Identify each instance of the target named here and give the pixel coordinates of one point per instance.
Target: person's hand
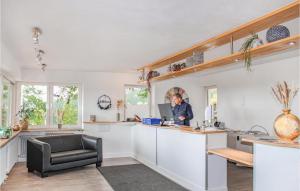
(181, 118)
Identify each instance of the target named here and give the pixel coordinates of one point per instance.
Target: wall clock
(104, 102)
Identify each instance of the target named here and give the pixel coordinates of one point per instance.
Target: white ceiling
(118, 35)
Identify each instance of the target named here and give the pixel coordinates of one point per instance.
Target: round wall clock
(104, 102)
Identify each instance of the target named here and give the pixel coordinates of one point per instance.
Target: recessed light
(237, 60)
(292, 43)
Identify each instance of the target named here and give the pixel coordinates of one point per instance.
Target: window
(53, 104)
(65, 105)
(136, 95)
(136, 101)
(212, 99)
(35, 96)
(6, 108)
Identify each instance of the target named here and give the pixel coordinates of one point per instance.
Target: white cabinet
(116, 138)
(144, 144)
(8, 158)
(3, 163)
(12, 154)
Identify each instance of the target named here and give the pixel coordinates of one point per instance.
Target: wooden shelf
(234, 155)
(265, 49)
(278, 16)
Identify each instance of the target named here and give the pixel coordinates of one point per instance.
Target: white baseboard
(117, 155)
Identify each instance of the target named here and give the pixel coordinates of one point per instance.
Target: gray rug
(137, 177)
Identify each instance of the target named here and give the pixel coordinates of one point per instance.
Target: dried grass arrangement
(284, 94)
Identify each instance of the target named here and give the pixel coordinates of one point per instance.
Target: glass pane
(136, 96)
(6, 104)
(34, 97)
(212, 96)
(65, 105)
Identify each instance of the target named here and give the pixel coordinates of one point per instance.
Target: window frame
(11, 99)
(138, 86)
(215, 112)
(49, 105)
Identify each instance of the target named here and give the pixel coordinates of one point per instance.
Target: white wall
(94, 84)
(244, 98)
(195, 92)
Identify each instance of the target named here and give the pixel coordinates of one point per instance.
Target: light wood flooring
(89, 179)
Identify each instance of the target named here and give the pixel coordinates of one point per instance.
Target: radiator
(23, 141)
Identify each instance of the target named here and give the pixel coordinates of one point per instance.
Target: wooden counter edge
(234, 155)
(276, 143)
(4, 142)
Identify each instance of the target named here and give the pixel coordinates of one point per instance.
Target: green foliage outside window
(35, 96)
(65, 104)
(136, 95)
(5, 106)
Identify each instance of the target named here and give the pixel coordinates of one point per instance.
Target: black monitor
(166, 112)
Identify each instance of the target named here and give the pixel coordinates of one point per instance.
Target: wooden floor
(89, 179)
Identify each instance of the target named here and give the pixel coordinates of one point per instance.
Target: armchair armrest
(38, 155)
(93, 143)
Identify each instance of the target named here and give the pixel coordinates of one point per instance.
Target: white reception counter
(179, 154)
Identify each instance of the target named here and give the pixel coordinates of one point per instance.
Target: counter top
(110, 122)
(187, 129)
(3, 142)
(277, 143)
(51, 129)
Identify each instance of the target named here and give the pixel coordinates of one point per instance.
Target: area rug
(137, 177)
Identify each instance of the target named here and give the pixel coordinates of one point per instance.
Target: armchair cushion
(70, 156)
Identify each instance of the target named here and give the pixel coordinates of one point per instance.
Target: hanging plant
(250, 43)
(151, 74)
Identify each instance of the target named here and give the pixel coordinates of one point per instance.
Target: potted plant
(26, 111)
(62, 100)
(120, 104)
(286, 125)
(251, 42)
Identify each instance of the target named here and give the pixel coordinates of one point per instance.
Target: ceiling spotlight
(44, 67)
(237, 60)
(292, 43)
(36, 32)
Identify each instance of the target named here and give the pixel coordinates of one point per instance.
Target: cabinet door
(12, 156)
(3, 163)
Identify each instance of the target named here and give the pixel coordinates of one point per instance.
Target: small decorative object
(24, 114)
(16, 127)
(104, 102)
(120, 104)
(178, 67)
(171, 92)
(5, 132)
(60, 118)
(189, 61)
(277, 32)
(251, 42)
(286, 125)
(198, 57)
(151, 74)
(92, 118)
(142, 75)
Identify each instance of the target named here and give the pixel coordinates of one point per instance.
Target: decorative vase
(118, 116)
(59, 126)
(287, 126)
(277, 32)
(24, 124)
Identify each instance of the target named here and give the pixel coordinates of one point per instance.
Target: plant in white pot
(25, 112)
(63, 97)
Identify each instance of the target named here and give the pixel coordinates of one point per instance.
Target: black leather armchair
(52, 153)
